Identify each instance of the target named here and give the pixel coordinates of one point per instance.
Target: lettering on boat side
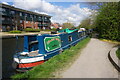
(52, 43)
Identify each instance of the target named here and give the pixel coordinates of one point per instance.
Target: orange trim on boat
(27, 65)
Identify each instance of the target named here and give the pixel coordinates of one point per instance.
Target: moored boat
(40, 48)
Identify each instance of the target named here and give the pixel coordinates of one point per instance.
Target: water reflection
(9, 48)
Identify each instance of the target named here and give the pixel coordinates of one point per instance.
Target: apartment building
(18, 19)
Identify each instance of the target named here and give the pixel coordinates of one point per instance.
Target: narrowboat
(40, 48)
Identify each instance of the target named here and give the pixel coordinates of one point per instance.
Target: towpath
(92, 62)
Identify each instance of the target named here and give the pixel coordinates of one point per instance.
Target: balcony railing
(7, 22)
(39, 19)
(46, 20)
(35, 19)
(39, 25)
(5, 13)
(45, 24)
(22, 17)
(28, 19)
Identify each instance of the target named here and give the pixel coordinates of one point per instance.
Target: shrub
(15, 31)
(108, 21)
(31, 30)
(50, 29)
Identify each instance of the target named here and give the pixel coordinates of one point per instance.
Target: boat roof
(67, 30)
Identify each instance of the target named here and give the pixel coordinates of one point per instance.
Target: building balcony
(39, 25)
(5, 13)
(46, 20)
(22, 17)
(28, 19)
(35, 19)
(7, 22)
(39, 19)
(45, 25)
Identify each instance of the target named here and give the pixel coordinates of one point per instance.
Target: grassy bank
(54, 64)
(118, 53)
(111, 41)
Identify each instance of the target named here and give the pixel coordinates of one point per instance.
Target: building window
(26, 15)
(8, 18)
(3, 18)
(12, 19)
(45, 17)
(31, 16)
(39, 17)
(3, 28)
(69, 38)
(20, 14)
(0, 9)
(34, 16)
(12, 12)
(3, 9)
(21, 21)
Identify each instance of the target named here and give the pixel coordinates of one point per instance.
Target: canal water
(9, 48)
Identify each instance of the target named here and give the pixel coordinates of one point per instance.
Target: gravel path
(93, 62)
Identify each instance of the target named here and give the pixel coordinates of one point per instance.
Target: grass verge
(118, 53)
(31, 30)
(47, 69)
(111, 41)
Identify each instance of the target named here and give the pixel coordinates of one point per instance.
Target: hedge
(15, 31)
(31, 30)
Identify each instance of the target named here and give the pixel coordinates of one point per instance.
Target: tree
(89, 22)
(108, 21)
(86, 23)
(67, 25)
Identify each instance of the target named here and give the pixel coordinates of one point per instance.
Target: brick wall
(30, 24)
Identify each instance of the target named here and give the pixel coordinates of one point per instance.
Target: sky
(61, 12)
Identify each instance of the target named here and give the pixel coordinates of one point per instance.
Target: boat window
(70, 38)
(83, 33)
(79, 35)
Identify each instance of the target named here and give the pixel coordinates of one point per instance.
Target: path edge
(117, 67)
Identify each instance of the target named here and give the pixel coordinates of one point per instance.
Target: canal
(9, 48)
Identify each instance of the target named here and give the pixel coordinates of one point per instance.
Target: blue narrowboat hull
(40, 48)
